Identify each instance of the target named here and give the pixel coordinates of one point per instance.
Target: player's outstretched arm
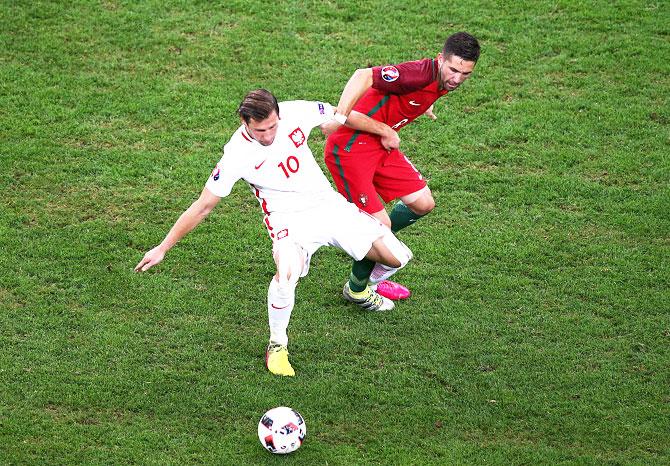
(186, 222)
(358, 83)
(361, 122)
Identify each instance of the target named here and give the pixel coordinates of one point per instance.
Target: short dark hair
(258, 104)
(462, 45)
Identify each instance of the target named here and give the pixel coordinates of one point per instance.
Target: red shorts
(363, 175)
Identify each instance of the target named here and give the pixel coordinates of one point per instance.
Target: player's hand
(429, 113)
(390, 139)
(329, 127)
(151, 258)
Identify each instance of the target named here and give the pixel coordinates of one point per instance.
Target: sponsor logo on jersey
(390, 73)
(298, 137)
(363, 199)
(216, 173)
(322, 109)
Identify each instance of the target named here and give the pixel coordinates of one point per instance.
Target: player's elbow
(205, 203)
(201, 209)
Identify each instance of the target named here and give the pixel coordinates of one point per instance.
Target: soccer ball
(282, 430)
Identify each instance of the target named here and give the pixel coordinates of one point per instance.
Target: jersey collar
(246, 135)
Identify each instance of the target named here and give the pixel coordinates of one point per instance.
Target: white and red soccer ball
(282, 430)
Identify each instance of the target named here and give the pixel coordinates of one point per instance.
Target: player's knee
(383, 217)
(289, 259)
(400, 253)
(283, 288)
(385, 221)
(423, 205)
(286, 282)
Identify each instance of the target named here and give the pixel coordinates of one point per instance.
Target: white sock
(380, 273)
(280, 305)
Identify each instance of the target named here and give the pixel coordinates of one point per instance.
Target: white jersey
(283, 176)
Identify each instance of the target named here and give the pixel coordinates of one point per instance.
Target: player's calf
(383, 271)
(392, 253)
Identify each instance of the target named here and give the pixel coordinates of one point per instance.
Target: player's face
(263, 131)
(453, 71)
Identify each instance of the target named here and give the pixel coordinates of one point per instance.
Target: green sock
(360, 273)
(401, 216)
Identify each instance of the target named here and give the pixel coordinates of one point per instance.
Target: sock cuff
(357, 284)
(402, 216)
(402, 208)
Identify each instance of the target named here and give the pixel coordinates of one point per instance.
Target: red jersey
(399, 94)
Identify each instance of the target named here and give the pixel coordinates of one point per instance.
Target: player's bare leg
(419, 203)
(374, 272)
(383, 217)
(357, 290)
(390, 252)
(405, 212)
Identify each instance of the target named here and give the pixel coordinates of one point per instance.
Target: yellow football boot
(367, 299)
(276, 360)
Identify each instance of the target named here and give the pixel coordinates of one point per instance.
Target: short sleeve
(224, 175)
(309, 113)
(405, 77)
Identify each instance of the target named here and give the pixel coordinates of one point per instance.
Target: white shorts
(335, 223)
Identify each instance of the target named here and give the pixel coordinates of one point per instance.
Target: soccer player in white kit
(301, 210)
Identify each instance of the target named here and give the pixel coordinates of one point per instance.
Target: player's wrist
(340, 118)
(164, 247)
(387, 130)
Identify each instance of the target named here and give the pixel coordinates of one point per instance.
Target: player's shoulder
(421, 64)
(300, 107)
(404, 77)
(239, 141)
(419, 70)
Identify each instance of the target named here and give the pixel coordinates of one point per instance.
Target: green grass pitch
(539, 328)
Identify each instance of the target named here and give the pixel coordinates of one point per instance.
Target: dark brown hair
(258, 104)
(462, 45)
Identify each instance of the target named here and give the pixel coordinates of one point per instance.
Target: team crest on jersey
(298, 137)
(216, 173)
(390, 73)
(363, 199)
(322, 108)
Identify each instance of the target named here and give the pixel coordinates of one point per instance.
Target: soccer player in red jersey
(363, 157)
